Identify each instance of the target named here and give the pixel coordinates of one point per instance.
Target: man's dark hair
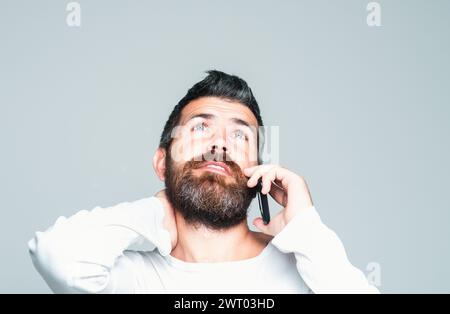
(215, 84)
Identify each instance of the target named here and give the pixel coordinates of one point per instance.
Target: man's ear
(159, 163)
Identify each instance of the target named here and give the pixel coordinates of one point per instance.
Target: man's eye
(199, 127)
(240, 135)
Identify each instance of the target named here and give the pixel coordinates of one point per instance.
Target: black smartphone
(263, 203)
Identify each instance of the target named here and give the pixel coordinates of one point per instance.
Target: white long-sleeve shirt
(89, 253)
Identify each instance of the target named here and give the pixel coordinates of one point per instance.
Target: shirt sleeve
(320, 255)
(86, 253)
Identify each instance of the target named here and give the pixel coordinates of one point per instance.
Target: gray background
(363, 114)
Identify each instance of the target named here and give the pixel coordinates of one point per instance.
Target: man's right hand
(169, 221)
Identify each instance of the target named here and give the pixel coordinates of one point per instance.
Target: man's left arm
(321, 258)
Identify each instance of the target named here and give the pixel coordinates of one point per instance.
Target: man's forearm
(321, 258)
(78, 253)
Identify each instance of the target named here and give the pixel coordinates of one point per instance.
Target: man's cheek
(176, 151)
(252, 154)
(182, 151)
(243, 159)
(184, 145)
(237, 154)
(196, 149)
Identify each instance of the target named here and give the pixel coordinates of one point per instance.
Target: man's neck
(202, 245)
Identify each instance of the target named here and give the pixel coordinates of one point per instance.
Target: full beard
(208, 199)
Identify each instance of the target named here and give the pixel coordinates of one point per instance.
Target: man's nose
(215, 149)
(218, 148)
(218, 145)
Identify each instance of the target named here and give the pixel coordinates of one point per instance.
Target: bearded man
(195, 229)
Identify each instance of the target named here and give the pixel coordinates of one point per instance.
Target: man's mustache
(198, 161)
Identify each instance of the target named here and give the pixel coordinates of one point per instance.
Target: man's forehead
(218, 107)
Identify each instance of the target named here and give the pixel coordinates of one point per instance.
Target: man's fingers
(259, 223)
(267, 179)
(278, 194)
(257, 174)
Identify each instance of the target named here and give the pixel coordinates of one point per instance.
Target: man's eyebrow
(207, 116)
(210, 116)
(241, 122)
